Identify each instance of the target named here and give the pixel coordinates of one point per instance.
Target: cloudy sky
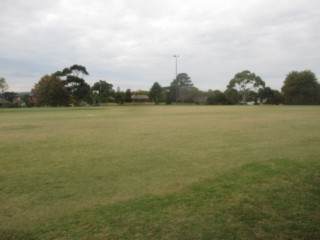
(131, 43)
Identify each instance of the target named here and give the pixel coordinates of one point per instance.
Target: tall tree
(301, 88)
(50, 91)
(3, 86)
(155, 93)
(127, 95)
(119, 96)
(245, 82)
(105, 90)
(75, 84)
(181, 80)
(75, 70)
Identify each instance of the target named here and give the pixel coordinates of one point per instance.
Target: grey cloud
(131, 43)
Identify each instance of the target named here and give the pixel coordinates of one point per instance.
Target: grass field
(160, 172)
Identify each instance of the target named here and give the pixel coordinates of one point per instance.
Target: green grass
(160, 172)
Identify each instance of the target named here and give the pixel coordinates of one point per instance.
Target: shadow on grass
(278, 199)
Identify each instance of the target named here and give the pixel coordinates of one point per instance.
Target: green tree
(301, 88)
(141, 92)
(216, 98)
(75, 70)
(80, 93)
(155, 93)
(119, 96)
(245, 82)
(181, 80)
(164, 94)
(26, 100)
(3, 86)
(270, 96)
(189, 94)
(50, 91)
(232, 96)
(9, 96)
(105, 91)
(74, 83)
(127, 95)
(252, 97)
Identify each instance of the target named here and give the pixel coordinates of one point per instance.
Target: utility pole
(176, 57)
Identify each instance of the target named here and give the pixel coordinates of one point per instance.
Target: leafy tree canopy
(9, 96)
(270, 96)
(119, 96)
(232, 96)
(189, 94)
(301, 88)
(127, 95)
(141, 92)
(104, 89)
(3, 85)
(216, 98)
(244, 82)
(182, 79)
(155, 92)
(50, 91)
(75, 70)
(76, 86)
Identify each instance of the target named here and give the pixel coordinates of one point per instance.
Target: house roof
(3, 101)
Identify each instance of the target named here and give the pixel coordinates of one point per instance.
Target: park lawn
(160, 172)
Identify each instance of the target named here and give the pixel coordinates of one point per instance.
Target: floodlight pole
(100, 93)
(176, 57)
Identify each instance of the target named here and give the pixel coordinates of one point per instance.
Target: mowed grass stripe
(56, 163)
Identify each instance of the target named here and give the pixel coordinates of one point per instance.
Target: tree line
(68, 87)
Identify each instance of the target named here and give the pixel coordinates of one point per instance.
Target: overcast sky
(131, 43)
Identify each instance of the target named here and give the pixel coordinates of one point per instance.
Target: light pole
(100, 93)
(176, 57)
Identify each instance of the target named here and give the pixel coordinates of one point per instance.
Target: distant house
(140, 98)
(25, 99)
(4, 103)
